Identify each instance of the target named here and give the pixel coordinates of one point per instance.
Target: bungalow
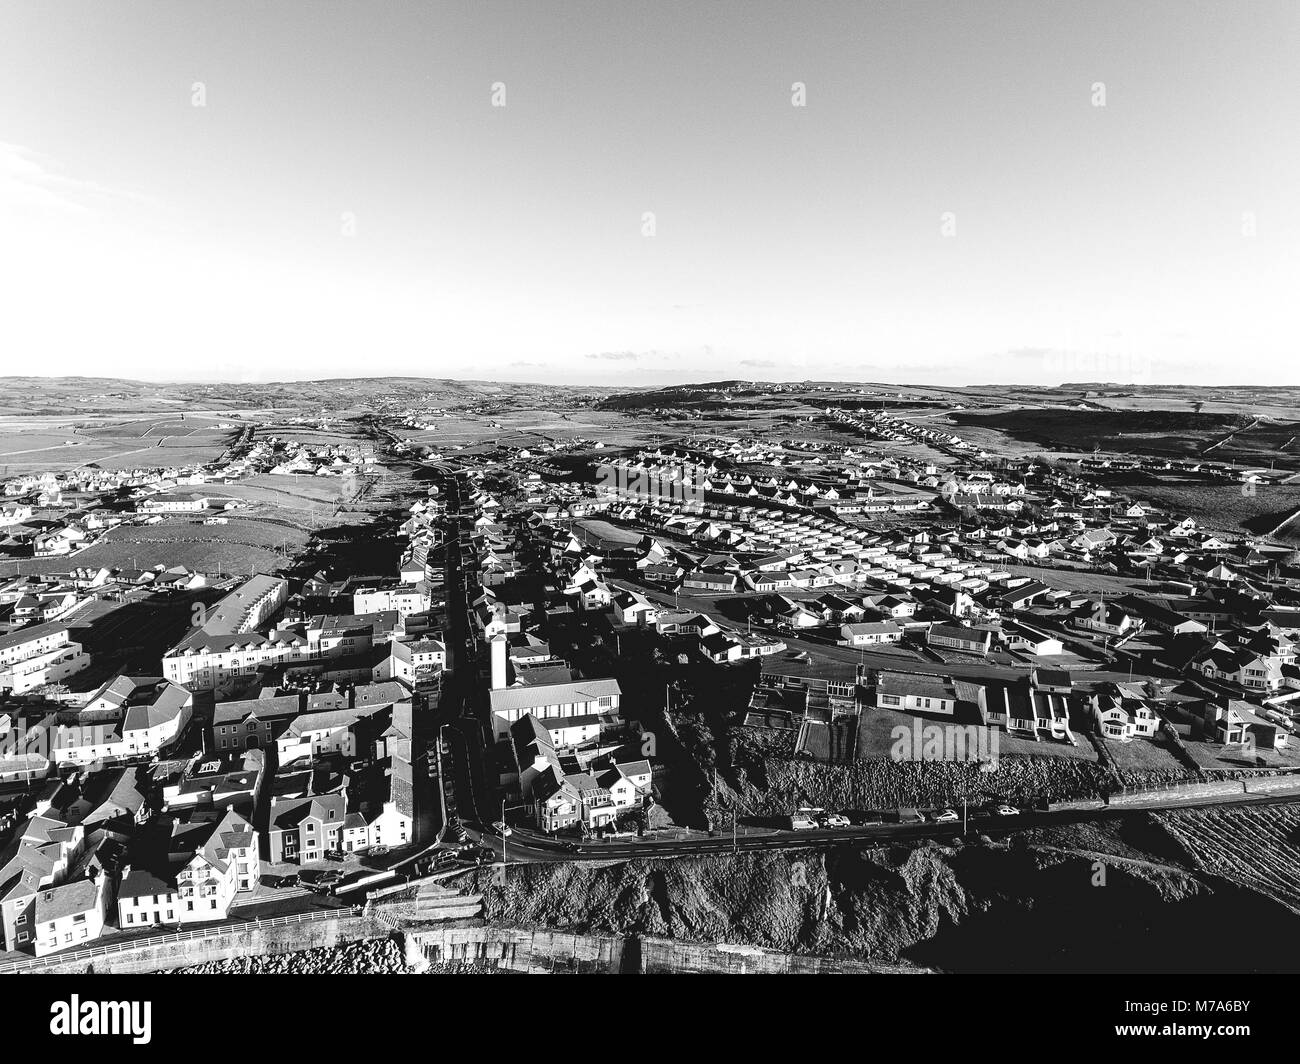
(965, 640)
(770, 580)
(719, 647)
(1019, 598)
(1022, 637)
(916, 693)
(712, 582)
(866, 633)
(174, 504)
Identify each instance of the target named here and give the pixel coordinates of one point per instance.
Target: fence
(56, 959)
(1263, 783)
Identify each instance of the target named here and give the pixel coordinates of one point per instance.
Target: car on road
(945, 816)
(335, 855)
(275, 882)
(320, 881)
(1002, 809)
(503, 829)
(834, 820)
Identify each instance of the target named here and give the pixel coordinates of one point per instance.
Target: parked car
(945, 816)
(278, 882)
(835, 820)
(1002, 809)
(320, 881)
(378, 851)
(335, 855)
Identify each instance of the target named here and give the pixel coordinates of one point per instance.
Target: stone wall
(249, 939)
(559, 951)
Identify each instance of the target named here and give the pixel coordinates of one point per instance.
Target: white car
(1006, 810)
(835, 820)
(502, 829)
(946, 816)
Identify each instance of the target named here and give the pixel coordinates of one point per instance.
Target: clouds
(30, 180)
(786, 247)
(618, 356)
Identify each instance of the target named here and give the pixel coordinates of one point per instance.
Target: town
(457, 645)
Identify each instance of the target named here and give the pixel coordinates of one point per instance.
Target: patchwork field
(54, 444)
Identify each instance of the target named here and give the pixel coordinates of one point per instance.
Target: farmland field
(1259, 846)
(1255, 508)
(1162, 432)
(237, 547)
(53, 444)
(284, 495)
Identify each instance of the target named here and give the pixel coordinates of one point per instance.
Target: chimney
(498, 662)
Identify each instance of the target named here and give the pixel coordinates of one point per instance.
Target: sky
(618, 192)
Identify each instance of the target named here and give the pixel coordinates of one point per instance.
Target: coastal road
(529, 847)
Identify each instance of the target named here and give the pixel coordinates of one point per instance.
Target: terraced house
(193, 872)
(42, 854)
(149, 719)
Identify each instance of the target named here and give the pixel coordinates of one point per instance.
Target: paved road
(531, 848)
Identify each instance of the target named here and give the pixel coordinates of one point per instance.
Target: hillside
(1086, 899)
